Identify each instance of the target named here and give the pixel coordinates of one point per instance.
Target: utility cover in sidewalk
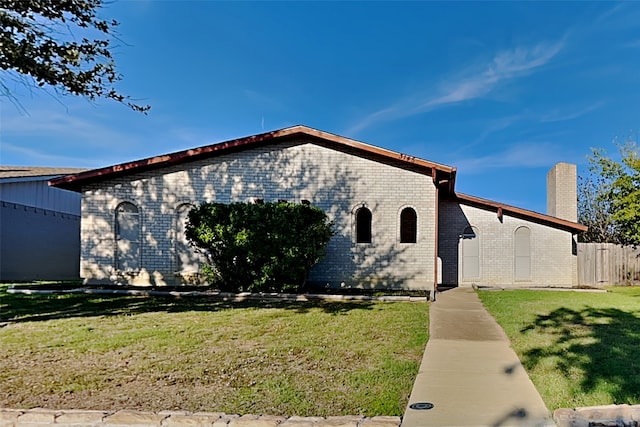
(421, 406)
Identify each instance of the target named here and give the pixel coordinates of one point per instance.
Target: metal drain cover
(421, 406)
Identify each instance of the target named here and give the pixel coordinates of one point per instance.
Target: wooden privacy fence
(608, 264)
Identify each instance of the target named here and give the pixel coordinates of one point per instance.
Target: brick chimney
(562, 192)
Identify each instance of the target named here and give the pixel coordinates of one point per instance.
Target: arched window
(408, 225)
(522, 254)
(127, 235)
(186, 257)
(363, 225)
(470, 241)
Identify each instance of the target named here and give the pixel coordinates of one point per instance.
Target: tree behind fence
(608, 264)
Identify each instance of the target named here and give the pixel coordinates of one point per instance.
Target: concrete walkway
(469, 373)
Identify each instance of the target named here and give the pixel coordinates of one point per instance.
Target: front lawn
(96, 352)
(580, 349)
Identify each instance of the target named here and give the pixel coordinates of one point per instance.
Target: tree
(609, 197)
(38, 47)
(264, 247)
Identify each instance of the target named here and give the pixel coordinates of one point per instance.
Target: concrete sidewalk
(469, 373)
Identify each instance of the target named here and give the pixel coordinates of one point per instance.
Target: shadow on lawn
(27, 308)
(602, 343)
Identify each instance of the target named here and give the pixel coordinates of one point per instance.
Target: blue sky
(500, 90)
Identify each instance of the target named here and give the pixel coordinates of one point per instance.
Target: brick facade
(478, 241)
(335, 181)
(553, 257)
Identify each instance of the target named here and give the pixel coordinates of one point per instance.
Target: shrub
(267, 247)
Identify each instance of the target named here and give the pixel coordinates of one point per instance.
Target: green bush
(268, 247)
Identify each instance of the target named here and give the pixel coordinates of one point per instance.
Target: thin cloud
(500, 124)
(493, 127)
(38, 158)
(522, 155)
(558, 116)
(45, 133)
(634, 44)
(471, 84)
(263, 100)
(609, 13)
(64, 126)
(505, 65)
(623, 15)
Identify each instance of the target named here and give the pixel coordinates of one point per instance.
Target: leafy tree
(609, 197)
(38, 47)
(268, 247)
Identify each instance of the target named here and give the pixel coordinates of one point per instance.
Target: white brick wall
(337, 182)
(553, 260)
(562, 192)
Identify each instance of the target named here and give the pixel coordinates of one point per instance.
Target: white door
(470, 254)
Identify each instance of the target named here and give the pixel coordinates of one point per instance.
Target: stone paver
(381, 421)
(346, 421)
(256, 421)
(134, 418)
(225, 420)
(80, 418)
(8, 417)
(211, 414)
(189, 420)
(599, 416)
(38, 416)
(296, 421)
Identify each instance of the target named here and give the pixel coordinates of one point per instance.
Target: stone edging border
(599, 416)
(223, 296)
(40, 417)
(541, 288)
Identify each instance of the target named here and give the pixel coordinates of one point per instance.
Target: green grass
(96, 352)
(580, 349)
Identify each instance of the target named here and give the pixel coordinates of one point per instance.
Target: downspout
(437, 237)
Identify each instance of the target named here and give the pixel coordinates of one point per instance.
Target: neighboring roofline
(13, 173)
(502, 208)
(440, 172)
(15, 179)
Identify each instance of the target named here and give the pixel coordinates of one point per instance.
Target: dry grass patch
(89, 352)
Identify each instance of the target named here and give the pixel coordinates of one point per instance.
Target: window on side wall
(363, 225)
(127, 234)
(408, 225)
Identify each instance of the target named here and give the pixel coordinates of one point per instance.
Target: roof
(35, 171)
(514, 211)
(441, 174)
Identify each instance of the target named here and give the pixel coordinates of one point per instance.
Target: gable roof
(501, 208)
(442, 174)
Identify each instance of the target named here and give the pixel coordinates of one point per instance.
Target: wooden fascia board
(504, 209)
(76, 181)
(372, 149)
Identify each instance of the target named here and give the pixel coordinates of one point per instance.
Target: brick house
(399, 221)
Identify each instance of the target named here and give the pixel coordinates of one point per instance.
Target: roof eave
(77, 181)
(555, 222)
